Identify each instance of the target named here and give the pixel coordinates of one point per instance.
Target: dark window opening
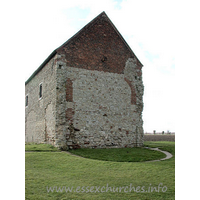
(104, 59)
(26, 103)
(40, 93)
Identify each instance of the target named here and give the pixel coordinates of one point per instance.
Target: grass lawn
(96, 179)
(40, 147)
(120, 155)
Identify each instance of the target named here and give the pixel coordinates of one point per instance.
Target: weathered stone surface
(101, 108)
(40, 112)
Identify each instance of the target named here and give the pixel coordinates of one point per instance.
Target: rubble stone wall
(98, 109)
(40, 114)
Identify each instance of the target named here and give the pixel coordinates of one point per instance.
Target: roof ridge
(91, 23)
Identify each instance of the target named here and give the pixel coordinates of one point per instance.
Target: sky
(160, 33)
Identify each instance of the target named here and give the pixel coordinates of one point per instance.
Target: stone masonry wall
(40, 113)
(99, 109)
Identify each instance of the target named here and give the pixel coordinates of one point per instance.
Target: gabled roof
(100, 16)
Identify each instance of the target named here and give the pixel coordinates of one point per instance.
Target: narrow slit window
(26, 101)
(40, 92)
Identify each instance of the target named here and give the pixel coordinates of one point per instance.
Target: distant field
(159, 138)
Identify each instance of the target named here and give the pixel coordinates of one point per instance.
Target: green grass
(40, 147)
(120, 155)
(48, 169)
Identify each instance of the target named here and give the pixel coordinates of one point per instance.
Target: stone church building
(88, 93)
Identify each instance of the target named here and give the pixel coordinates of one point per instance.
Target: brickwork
(133, 93)
(98, 47)
(69, 115)
(69, 91)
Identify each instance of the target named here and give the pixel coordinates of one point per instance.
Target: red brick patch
(69, 115)
(69, 90)
(133, 92)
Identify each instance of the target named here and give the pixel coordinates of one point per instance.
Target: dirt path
(168, 155)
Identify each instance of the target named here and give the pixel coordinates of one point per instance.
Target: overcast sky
(160, 33)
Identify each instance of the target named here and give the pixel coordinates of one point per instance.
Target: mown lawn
(40, 147)
(120, 155)
(96, 179)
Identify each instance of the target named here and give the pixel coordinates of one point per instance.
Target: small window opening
(104, 59)
(26, 102)
(40, 92)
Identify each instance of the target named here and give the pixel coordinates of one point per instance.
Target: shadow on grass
(120, 155)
